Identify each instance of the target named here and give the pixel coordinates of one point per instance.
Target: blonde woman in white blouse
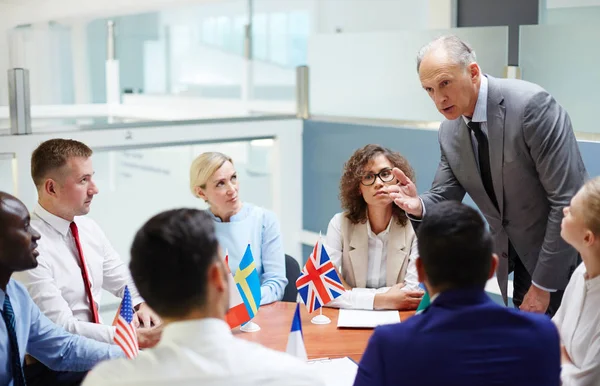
(578, 318)
(372, 243)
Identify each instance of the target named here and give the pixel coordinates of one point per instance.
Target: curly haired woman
(372, 243)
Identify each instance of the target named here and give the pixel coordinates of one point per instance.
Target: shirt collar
(3, 296)
(591, 284)
(60, 224)
(194, 332)
(384, 233)
(480, 113)
(239, 216)
(461, 297)
(9, 288)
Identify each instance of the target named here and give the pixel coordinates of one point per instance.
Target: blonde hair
(591, 215)
(203, 167)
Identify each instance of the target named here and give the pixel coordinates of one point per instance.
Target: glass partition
(373, 75)
(570, 77)
(7, 170)
(142, 169)
(147, 181)
(45, 49)
(142, 182)
(192, 51)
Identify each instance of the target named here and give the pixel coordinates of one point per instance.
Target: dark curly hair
(351, 199)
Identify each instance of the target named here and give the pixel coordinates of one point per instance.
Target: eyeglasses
(385, 175)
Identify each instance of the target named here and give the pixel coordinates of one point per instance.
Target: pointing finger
(401, 177)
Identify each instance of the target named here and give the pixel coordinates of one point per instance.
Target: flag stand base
(320, 319)
(250, 327)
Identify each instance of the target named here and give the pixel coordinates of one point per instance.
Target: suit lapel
(495, 126)
(359, 254)
(396, 252)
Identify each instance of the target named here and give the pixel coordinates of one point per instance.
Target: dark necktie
(17, 368)
(483, 150)
(85, 275)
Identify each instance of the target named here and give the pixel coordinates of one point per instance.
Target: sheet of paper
(366, 319)
(335, 372)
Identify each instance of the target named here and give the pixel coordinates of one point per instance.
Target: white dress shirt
(56, 284)
(204, 352)
(363, 298)
(578, 321)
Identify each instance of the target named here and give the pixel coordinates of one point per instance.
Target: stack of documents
(335, 372)
(366, 319)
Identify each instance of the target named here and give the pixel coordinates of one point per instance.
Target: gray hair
(459, 51)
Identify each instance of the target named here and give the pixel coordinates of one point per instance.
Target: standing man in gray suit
(511, 147)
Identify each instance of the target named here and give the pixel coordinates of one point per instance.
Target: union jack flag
(319, 282)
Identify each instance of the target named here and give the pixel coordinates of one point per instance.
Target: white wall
(571, 3)
(38, 48)
(208, 66)
(43, 10)
(441, 14)
(325, 17)
(574, 12)
(370, 15)
(374, 75)
(350, 15)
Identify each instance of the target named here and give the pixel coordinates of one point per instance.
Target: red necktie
(84, 274)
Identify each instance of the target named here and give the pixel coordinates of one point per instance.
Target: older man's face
(452, 87)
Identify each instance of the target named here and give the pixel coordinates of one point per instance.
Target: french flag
(295, 344)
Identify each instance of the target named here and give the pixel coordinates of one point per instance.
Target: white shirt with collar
(363, 298)
(578, 322)
(56, 284)
(204, 352)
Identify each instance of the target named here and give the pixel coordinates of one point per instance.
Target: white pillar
(248, 69)
(113, 84)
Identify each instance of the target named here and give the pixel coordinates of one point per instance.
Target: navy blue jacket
(464, 339)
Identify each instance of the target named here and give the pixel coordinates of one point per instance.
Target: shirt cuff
(412, 218)
(364, 300)
(136, 300)
(542, 288)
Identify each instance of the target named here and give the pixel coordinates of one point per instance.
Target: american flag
(319, 282)
(125, 336)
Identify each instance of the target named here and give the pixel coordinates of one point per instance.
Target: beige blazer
(355, 252)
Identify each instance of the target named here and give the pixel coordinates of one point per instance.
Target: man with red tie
(76, 260)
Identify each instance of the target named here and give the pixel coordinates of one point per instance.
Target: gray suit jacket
(536, 169)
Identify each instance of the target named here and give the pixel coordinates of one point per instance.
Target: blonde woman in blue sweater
(213, 178)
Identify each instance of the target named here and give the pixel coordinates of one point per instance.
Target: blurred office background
(288, 88)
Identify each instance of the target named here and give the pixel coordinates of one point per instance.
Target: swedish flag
(248, 283)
